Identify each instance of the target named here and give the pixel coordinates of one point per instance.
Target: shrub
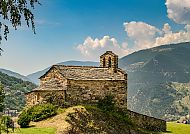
(24, 119)
(42, 111)
(107, 103)
(36, 113)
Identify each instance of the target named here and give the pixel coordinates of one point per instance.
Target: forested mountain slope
(14, 89)
(154, 76)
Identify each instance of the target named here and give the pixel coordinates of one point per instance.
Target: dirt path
(57, 121)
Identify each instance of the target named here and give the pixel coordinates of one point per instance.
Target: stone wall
(147, 122)
(36, 97)
(86, 91)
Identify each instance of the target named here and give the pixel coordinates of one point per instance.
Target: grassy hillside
(14, 91)
(175, 128)
(90, 120)
(35, 130)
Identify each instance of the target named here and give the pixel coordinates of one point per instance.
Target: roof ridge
(76, 66)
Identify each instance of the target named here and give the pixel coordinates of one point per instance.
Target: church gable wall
(53, 79)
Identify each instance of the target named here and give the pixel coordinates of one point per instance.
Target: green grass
(34, 130)
(177, 128)
(61, 110)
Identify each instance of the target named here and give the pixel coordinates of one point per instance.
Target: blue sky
(63, 25)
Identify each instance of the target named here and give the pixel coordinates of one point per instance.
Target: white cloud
(166, 29)
(168, 38)
(179, 11)
(187, 27)
(93, 48)
(140, 30)
(147, 36)
(140, 35)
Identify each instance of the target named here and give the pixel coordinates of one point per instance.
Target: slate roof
(88, 73)
(110, 53)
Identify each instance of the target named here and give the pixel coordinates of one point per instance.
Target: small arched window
(38, 97)
(109, 62)
(104, 62)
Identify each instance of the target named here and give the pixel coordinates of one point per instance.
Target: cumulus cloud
(140, 35)
(170, 37)
(147, 36)
(179, 11)
(92, 48)
(140, 29)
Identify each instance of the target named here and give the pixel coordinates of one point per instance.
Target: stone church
(87, 84)
(83, 84)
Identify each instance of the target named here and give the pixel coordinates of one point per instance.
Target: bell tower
(109, 60)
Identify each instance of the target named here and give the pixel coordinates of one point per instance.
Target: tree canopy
(14, 13)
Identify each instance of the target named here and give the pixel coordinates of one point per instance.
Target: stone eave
(97, 79)
(44, 90)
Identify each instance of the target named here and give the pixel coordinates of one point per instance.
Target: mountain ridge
(14, 74)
